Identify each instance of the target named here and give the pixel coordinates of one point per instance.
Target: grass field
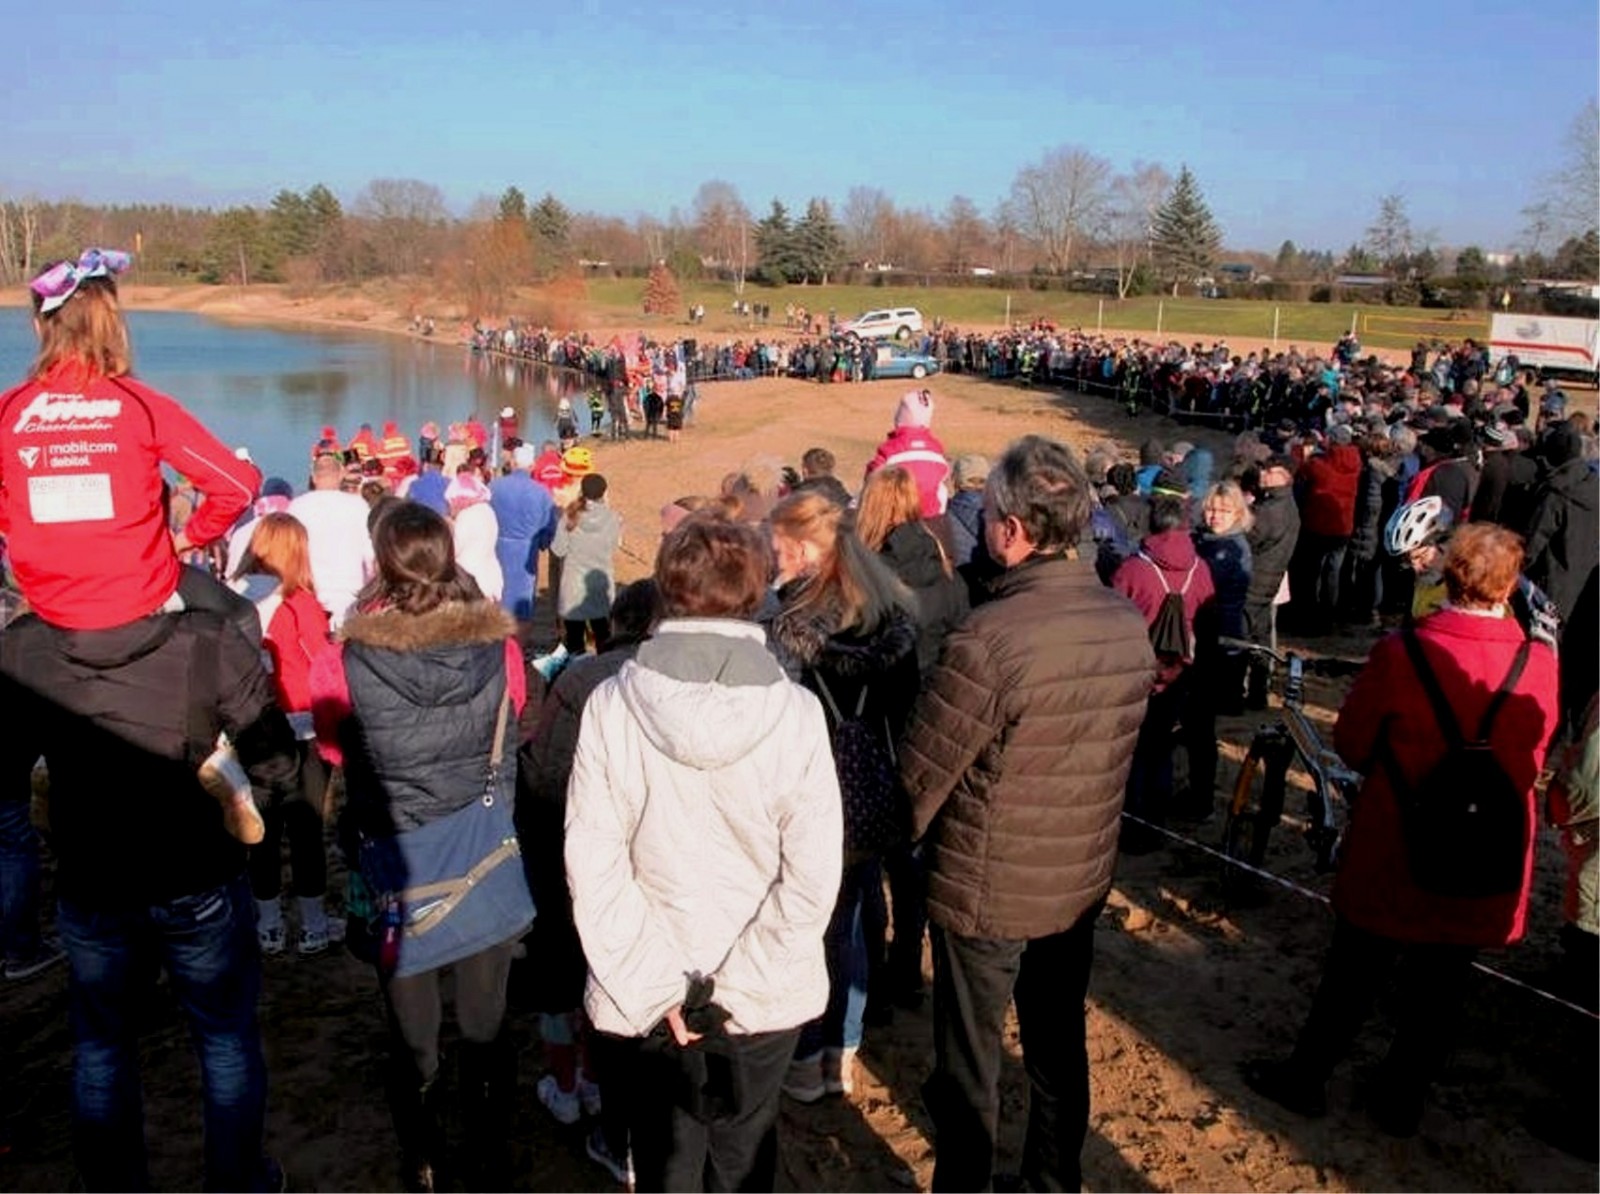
(1305, 324)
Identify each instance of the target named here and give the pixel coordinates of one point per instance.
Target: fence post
(1100, 318)
(1276, 311)
(1354, 316)
(1161, 309)
(1008, 312)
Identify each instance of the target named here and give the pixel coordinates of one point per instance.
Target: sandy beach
(1186, 985)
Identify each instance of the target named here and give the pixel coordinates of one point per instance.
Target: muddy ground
(1185, 984)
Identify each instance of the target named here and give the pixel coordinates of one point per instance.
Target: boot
(488, 1099)
(415, 1106)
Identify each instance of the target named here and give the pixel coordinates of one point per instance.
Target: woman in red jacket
(294, 631)
(1389, 729)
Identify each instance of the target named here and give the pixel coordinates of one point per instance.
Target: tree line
(1067, 215)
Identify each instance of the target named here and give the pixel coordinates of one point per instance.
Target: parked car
(894, 360)
(898, 322)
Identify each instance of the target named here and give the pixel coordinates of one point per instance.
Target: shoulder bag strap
(1188, 577)
(1507, 686)
(1442, 712)
(491, 781)
(827, 697)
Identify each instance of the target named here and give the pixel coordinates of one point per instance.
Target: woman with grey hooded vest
(587, 538)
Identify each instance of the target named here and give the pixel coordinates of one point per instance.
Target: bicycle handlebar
(1324, 666)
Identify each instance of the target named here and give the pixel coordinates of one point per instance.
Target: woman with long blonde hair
(844, 628)
(294, 631)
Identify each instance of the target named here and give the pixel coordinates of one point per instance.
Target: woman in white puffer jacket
(703, 850)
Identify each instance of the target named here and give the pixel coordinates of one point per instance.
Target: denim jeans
(849, 970)
(19, 880)
(207, 944)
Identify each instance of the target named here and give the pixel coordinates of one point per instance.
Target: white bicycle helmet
(1415, 525)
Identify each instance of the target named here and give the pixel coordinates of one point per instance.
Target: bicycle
(1257, 802)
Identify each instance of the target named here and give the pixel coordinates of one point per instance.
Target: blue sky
(1295, 117)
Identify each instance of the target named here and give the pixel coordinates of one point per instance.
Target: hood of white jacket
(706, 691)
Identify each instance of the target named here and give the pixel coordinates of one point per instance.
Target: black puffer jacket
(1272, 540)
(1018, 751)
(424, 691)
(1564, 533)
(916, 557)
(129, 714)
(1366, 539)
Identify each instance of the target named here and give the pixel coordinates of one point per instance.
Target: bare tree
(1007, 231)
(1390, 238)
(722, 225)
(19, 236)
(868, 219)
(965, 233)
(408, 216)
(1129, 217)
(1569, 198)
(1059, 197)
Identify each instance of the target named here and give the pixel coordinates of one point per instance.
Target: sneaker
(1286, 1086)
(47, 955)
(562, 1104)
(274, 939)
(839, 1071)
(312, 941)
(588, 1095)
(600, 1153)
(803, 1083)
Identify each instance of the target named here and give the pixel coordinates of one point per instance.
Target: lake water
(273, 389)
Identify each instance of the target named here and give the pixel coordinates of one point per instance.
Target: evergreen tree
(818, 242)
(328, 235)
(661, 294)
(1288, 264)
(777, 255)
(238, 249)
(551, 225)
(291, 225)
(513, 205)
(1184, 238)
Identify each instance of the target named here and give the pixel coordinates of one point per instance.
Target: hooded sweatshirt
(704, 833)
(82, 499)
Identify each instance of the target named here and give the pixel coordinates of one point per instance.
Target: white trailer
(1549, 343)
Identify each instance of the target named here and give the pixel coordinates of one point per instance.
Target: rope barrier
(1317, 896)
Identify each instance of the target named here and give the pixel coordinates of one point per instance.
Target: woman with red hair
(1467, 672)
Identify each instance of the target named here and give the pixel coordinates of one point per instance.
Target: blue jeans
(845, 944)
(207, 943)
(19, 881)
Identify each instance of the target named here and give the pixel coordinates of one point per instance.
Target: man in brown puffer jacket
(1015, 762)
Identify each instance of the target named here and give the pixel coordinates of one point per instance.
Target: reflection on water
(273, 389)
(328, 384)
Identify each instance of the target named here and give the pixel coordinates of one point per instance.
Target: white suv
(898, 322)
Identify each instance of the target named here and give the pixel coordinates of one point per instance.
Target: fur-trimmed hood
(455, 623)
(444, 657)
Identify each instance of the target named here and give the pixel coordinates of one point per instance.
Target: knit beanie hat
(915, 409)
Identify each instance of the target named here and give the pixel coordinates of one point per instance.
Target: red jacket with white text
(81, 494)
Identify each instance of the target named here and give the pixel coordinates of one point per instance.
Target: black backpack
(1464, 822)
(1171, 634)
(863, 756)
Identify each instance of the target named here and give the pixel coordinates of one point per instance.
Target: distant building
(1359, 280)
